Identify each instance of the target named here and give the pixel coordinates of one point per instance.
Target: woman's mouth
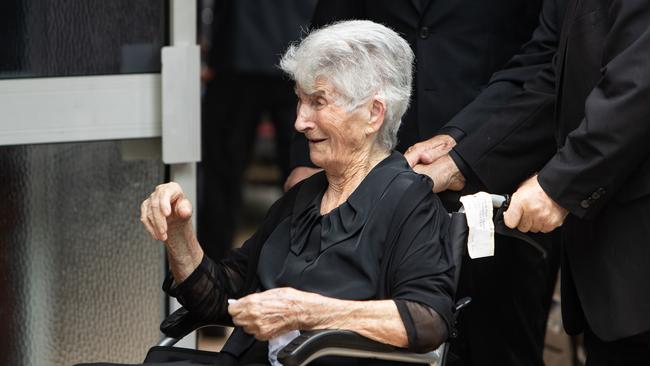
(315, 141)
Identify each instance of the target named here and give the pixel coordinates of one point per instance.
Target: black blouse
(346, 253)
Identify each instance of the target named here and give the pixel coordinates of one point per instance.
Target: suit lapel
(569, 15)
(421, 5)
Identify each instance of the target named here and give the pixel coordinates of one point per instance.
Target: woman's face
(336, 137)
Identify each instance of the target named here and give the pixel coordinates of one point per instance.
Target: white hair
(361, 59)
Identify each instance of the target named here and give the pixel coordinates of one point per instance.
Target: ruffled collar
(350, 217)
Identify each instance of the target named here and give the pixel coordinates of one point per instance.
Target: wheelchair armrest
(314, 344)
(181, 323)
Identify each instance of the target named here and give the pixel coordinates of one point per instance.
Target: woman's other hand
(166, 209)
(270, 313)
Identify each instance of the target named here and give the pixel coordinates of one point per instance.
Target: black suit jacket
(601, 171)
(512, 134)
(458, 44)
(249, 36)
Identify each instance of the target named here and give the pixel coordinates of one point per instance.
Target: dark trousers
(233, 106)
(630, 351)
(511, 296)
(171, 356)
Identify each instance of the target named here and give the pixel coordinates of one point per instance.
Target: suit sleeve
(326, 12)
(513, 115)
(612, 140)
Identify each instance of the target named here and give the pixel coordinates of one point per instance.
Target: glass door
(97, 98)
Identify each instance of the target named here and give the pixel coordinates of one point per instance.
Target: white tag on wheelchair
(478, 210)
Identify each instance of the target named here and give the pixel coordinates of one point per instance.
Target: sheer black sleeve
(206, 291)
(425, 329)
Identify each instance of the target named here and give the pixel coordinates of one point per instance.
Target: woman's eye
(320, 102)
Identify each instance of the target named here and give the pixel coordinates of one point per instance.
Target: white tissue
(277, 343)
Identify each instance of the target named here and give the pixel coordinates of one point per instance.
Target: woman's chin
(319, 163)
(318, 158)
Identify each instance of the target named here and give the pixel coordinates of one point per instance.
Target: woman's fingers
(242, 317)
(256, 328)
(159, 219)
(173, 204)
(166, 205)
(169, 194)
(154, 221)
(183, 209)
(145, 219)
(246, 313)
(266, 314)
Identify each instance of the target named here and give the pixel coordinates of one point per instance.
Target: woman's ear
(377, 112)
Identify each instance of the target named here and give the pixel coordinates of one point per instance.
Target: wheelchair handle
(500, 201)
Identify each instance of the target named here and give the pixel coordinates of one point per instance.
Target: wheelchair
(311, 345)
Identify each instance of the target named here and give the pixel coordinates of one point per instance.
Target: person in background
(244, 85)
(596, 184)
(504, 146)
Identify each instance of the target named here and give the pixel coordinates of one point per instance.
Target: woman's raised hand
(166, 209)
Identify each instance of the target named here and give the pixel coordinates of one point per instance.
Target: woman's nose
(303, 118)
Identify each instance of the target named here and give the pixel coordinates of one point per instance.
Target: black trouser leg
(630, 351)
(283, 116)
(230, 115)
(511, 295)
(232, 109)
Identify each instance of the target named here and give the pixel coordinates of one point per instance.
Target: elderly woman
(359, 246)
